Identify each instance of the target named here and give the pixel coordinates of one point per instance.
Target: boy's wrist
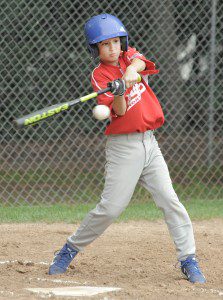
(132, 67)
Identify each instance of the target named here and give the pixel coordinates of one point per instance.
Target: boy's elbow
(120, 112)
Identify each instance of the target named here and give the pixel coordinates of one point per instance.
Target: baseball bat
(47, 112)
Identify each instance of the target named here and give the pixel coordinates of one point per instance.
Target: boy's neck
(116, 63)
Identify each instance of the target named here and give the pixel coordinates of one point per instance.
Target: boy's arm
(131, 74)
(119, 105)
(130, 77)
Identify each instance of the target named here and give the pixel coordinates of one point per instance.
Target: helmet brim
(106, 37)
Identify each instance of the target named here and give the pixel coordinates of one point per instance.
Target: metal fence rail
(44, 60)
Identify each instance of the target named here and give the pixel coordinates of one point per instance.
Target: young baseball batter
(132, 152)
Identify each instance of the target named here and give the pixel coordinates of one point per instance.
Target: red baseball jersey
(143, 108)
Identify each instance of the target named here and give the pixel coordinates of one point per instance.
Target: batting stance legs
(133, 158)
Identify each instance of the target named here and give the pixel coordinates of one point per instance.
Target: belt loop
(148, 133)
(143, 136)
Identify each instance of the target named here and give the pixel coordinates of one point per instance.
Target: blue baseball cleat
(62, 260)
(191, 269)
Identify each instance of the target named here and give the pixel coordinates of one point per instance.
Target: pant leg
(156, 179)
(125, 161)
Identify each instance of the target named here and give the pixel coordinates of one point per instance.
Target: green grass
(61, 184)
(197, 209)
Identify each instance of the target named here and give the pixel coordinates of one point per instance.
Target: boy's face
(109, 51)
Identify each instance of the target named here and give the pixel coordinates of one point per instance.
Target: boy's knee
(172, 205)
(174, 212)
(111, 210)
(167, 200)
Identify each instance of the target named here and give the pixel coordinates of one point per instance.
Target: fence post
(212, 84)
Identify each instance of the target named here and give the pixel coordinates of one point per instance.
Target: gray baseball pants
(133, 158)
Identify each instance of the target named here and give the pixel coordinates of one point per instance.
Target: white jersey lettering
(135, 95)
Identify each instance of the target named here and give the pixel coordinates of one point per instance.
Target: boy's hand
(131, 76)
(117, 87)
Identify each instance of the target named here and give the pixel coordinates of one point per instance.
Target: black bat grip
(108, 89)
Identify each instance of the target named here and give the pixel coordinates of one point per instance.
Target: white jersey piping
(97, 83)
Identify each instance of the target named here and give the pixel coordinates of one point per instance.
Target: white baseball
(101, 112)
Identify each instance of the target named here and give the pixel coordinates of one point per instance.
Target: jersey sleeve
(150, 66)
(99, 82)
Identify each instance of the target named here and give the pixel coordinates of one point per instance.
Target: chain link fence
(44, 61)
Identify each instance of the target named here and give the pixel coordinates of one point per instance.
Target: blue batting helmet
(103, 27)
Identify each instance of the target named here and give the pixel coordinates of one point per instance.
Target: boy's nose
(112, 46)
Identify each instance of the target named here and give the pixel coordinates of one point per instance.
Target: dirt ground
(138, 257)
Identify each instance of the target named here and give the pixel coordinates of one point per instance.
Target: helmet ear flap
(93, 49)
(124, 43)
